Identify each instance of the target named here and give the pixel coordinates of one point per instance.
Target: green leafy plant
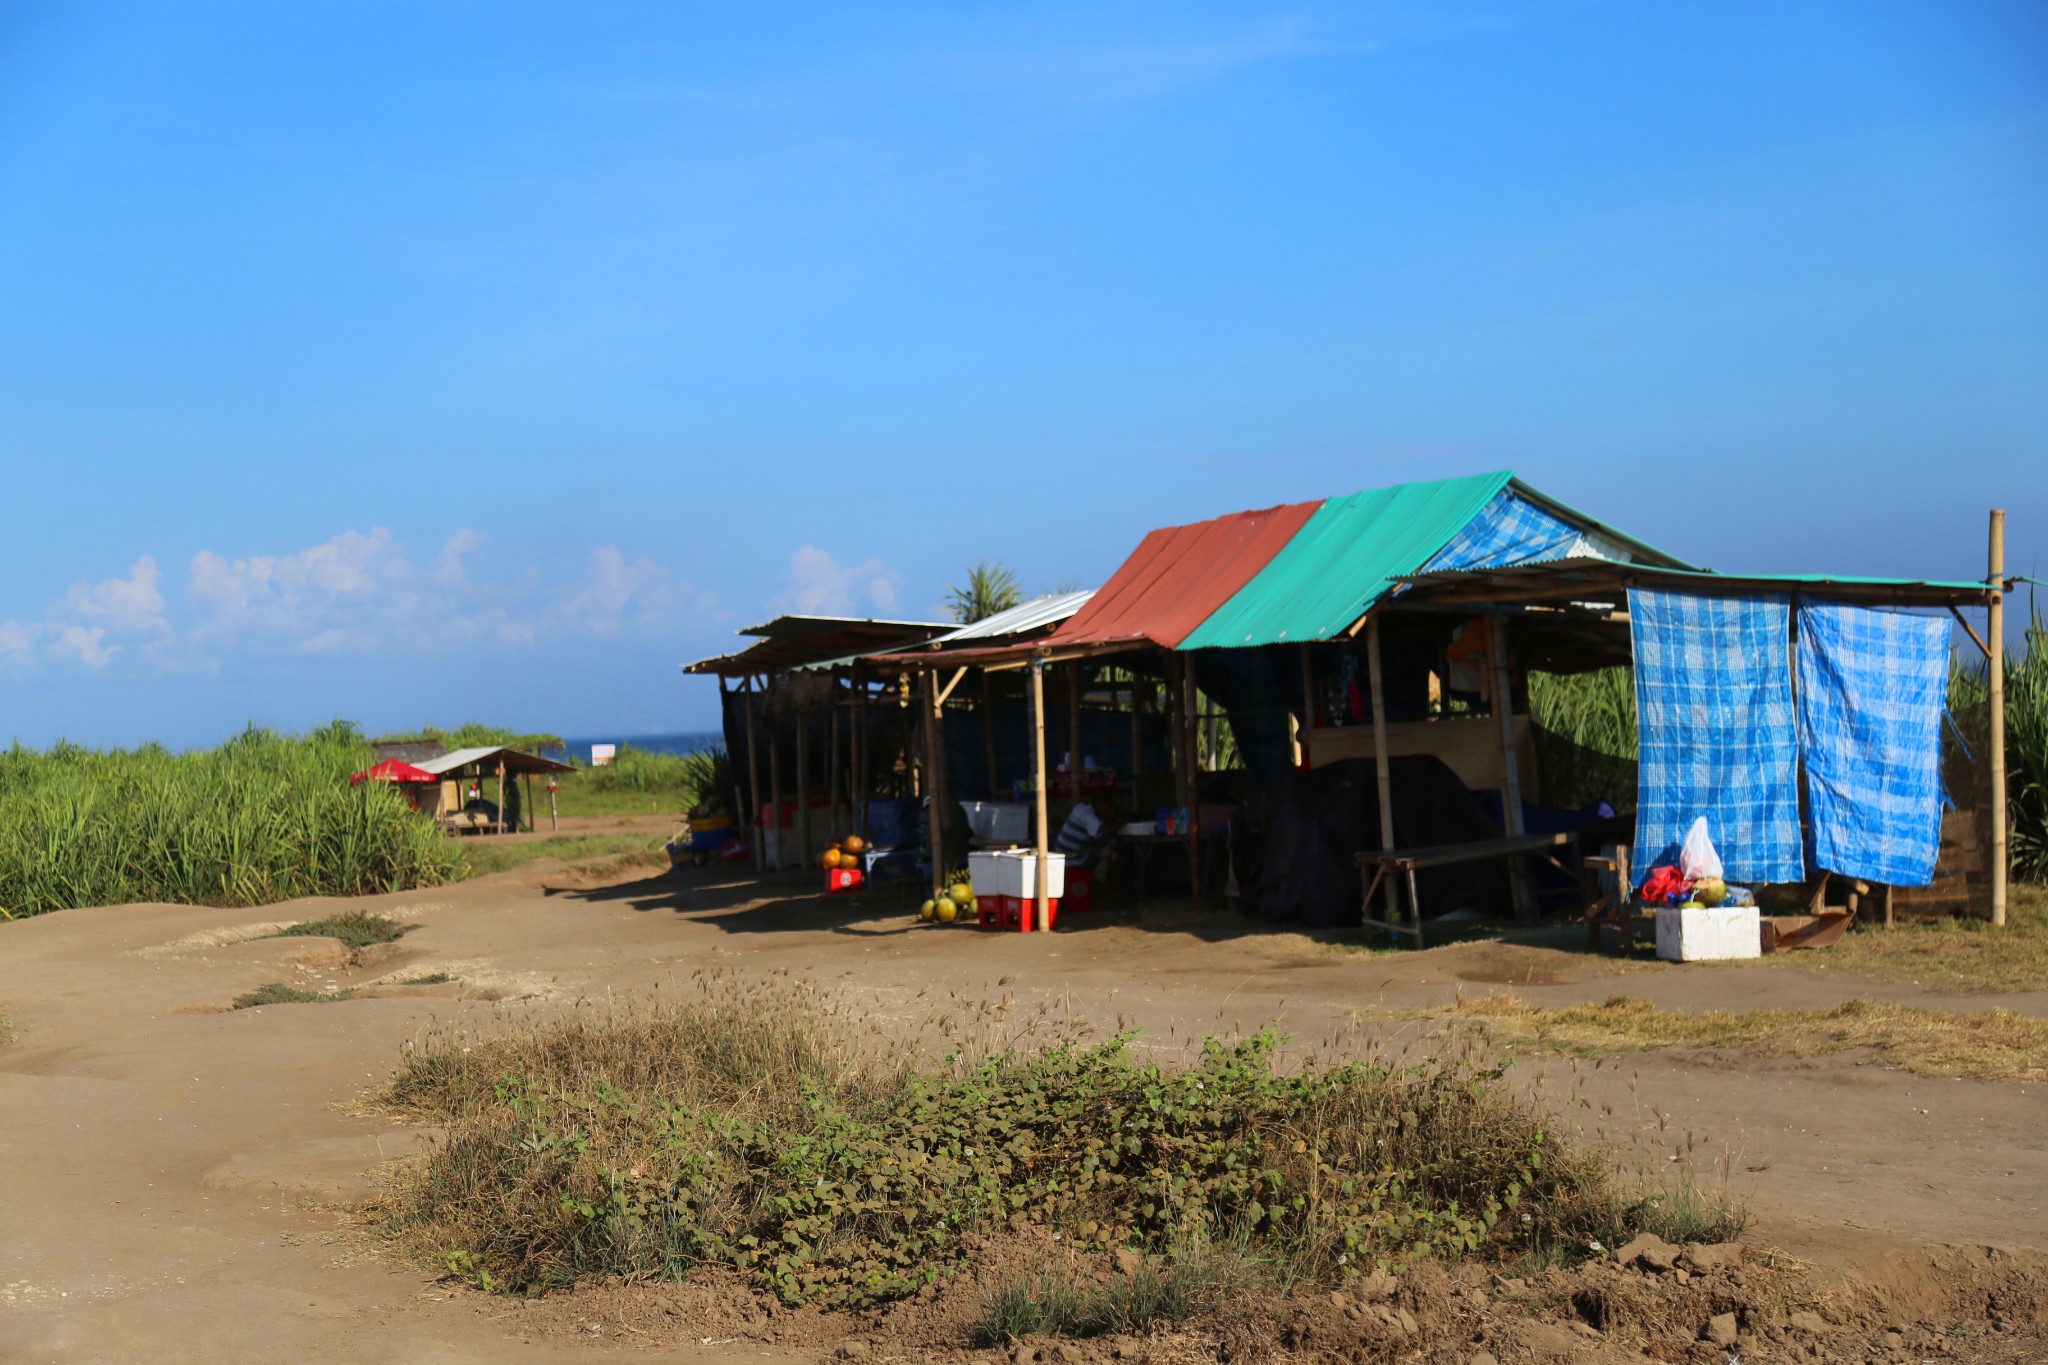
(749, 1130)
(356, 929)
(277, 993)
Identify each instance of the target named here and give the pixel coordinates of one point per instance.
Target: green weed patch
(747, 1129)
(356, 929)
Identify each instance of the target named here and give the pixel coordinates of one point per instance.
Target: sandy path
(165, 1166)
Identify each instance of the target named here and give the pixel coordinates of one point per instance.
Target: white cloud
(354, 593)
(84, 644)
(820, 586)
(131, 603)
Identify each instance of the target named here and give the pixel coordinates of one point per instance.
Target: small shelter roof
(515, 761)
(992, 634)
(790, 642)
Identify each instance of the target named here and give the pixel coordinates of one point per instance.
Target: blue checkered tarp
(1714, 715)
(1510, 530)
(1872, 686)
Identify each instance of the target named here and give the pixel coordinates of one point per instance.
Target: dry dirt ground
(176, 1177)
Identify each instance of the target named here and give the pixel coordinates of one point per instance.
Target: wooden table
(1374, 868)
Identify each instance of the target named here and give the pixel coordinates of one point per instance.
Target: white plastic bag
(1696, 857)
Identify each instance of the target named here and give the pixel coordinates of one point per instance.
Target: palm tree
(990, 588)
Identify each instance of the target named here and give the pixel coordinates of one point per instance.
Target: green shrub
(748, 1130)
(355, 929)
(277, 993)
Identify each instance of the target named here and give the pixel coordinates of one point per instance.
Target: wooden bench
(1376, 866)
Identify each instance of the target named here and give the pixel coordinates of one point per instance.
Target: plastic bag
(1696, 857)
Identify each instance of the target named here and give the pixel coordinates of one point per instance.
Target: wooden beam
(1383, 765)
(861, 776)
(947, 690)
(834, 771)
(1995, 663)
(934, 762)
(1042, 914)
(1970, 630)
(1074, 731)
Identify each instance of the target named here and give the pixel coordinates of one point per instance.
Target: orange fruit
(854, 843)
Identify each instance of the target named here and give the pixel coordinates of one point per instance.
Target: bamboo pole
(753, 780)
(860, 760)
(988, 735)
(1074, 731)
(501, 796)
(1137, 736)
(934, 758)
(1511, 777)
(528, 803)
(803, 787)
(1382, 761)
(1995, 637)
(1041, 913)
(834, 771)
(1193, 760)
(1303, 758)
(775, 779)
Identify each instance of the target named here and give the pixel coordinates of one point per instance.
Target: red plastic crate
(1017, 913)
(843, 878)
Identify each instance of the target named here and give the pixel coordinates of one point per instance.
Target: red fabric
(392, 770)
(1663, 882)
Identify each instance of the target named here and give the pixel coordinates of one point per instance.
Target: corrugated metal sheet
(1036, 614)
(515, 760)
(790, 642)
(1178, 575)
(1343, 560)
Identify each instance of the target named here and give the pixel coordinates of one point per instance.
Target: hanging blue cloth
(1714, 715)
(1872, 686)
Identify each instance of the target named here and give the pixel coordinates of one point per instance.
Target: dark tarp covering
(1293, 848)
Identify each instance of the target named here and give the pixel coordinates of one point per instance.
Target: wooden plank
(1444, 855)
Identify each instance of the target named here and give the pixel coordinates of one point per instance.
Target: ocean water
(686, 742)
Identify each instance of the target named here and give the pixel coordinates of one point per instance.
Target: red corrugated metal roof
(1180, 574)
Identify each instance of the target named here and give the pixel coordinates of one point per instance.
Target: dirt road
(170, 1169)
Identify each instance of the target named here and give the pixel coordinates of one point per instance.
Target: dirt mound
(1702, 1305)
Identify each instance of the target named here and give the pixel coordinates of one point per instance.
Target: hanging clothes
(1714, 715)
(1873, 683)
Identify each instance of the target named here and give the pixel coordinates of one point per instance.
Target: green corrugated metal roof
(1343, 560)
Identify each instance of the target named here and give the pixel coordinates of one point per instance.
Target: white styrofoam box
(999, 822)
(1716, 935)
(985, 874)
(1017, 874)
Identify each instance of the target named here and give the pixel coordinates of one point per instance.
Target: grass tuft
(430, 979)
(1994, 1044)
(356, 929)
(277, 993)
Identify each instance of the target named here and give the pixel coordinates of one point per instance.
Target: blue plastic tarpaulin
(1510, 530)
(1714, 714)
(1872, 686)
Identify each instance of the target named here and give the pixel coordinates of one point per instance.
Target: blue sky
(427, 362)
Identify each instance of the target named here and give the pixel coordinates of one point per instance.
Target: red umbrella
(393, 770)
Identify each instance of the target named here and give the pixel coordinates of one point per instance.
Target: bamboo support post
(860, 761)
(501, 796)
(775, 783)
(528, 804)
(1995, 638)
(1510, 767)
(1383, 764)
(1192, 758)
(1041, 913)
(1137, 737)
(1074, 731)
(803, 786)
(834, 772)
(934, 784)
(988, 736)
(1302, 757)
(753, 780)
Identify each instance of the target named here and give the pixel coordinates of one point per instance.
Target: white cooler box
(1717, 935)
(1016, 874)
